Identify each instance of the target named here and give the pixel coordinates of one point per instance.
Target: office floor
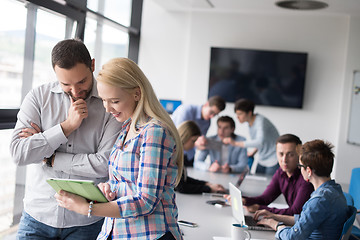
(9, 237)
(10, 234)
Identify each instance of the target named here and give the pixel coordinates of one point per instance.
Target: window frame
(8, 118)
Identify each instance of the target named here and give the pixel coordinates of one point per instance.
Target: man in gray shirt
(62, 131)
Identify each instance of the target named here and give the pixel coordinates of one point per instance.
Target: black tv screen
(272, 78)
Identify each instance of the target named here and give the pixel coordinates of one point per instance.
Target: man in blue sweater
(201, 115)
(225, 158)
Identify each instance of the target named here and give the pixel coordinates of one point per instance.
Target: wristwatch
(280, 224)
(49, 160)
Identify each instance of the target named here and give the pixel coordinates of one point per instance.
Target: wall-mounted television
(272, 78)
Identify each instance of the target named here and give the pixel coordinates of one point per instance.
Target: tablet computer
(84, 188)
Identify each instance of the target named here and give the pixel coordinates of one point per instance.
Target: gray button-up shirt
(83, 155)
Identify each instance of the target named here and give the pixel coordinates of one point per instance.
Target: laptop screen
(236, 203)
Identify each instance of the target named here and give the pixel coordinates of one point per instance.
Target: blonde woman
(145, 163)
(189, 133)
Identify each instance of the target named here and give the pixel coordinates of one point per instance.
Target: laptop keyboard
(250, 221)
(260, 228)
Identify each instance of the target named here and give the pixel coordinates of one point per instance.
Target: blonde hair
(126, 74)
(187, 130)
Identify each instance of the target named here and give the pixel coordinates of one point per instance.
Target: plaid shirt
(142, 172)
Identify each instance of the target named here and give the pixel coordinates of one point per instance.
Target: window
(12, 39)
(7, 184)
(46, 38)
(117, 10)
(106, 34)
(105, 44)
(31, 30)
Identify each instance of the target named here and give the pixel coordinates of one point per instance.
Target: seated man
(201, 115)
(287, 180)
(226, 158)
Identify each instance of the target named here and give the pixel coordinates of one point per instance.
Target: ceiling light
(302, 4)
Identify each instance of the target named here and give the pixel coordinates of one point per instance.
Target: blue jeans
(29, 228)
(267, 170)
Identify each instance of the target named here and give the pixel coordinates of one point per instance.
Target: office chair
(355, 230)
(354, 187)
(349, 199)
(346, 232)
(354, 191)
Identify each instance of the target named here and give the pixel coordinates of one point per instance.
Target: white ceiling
(342, 7)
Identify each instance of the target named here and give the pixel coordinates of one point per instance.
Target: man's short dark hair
(227, 119)
(217, 101)
(244, 105)
(67, 53)
(289, 138)
(318, 155)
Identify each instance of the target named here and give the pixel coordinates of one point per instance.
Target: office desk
(213, 221)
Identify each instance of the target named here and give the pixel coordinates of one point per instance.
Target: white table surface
(213, 221)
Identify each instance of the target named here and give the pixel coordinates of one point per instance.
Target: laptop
(238, 210)
(242, 176)
(240, 180)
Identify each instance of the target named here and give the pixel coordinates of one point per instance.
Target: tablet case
(84, 188)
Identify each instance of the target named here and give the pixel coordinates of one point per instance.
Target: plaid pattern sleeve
(143, 171)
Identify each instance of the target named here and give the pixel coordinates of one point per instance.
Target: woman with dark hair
(324, 214)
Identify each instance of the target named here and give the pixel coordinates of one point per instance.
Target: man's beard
(87, 93)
